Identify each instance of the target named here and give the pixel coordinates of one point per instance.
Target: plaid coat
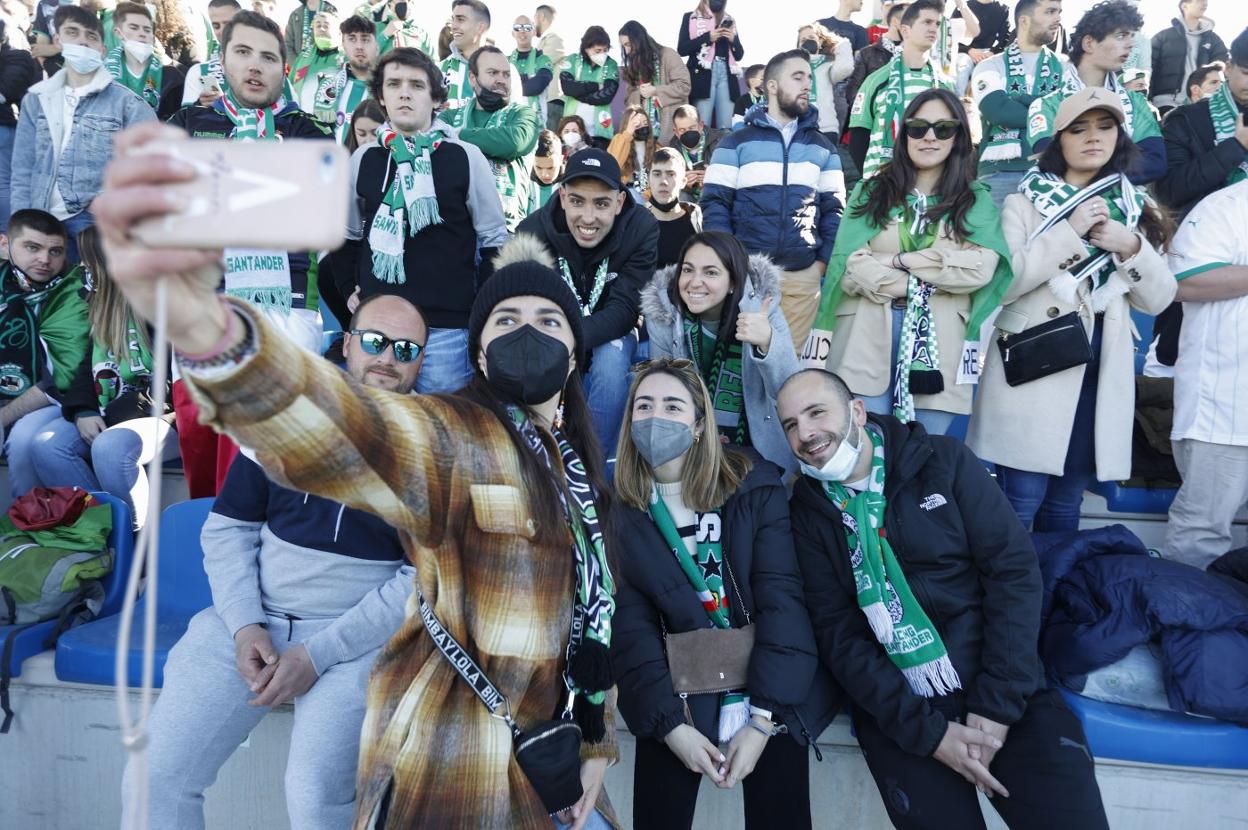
(444, 473)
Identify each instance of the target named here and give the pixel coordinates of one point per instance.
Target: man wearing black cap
(605, 247)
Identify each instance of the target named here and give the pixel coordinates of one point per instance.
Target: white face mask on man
(138, 50)
(82, 59)
(842, 463)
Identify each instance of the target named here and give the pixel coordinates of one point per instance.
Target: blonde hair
(711, 473)
(107, 310)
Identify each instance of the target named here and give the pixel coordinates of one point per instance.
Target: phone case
(281, 195)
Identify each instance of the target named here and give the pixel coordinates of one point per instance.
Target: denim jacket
(38, 163)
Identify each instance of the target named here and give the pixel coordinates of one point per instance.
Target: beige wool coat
(1028, 427)
(671, 89)
(861, 351)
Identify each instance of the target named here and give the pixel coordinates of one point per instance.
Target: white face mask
(82, 59)
(841, 465)
(571, 140)
(139, 50)
(598, 58)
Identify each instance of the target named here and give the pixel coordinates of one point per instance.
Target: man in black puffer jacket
(1188, 43)
(962, 640)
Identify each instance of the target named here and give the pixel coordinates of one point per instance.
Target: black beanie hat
(523, 267)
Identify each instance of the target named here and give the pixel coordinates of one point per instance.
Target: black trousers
(1045, 764)
(777, 793)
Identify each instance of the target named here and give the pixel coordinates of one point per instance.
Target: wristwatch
(776, 728)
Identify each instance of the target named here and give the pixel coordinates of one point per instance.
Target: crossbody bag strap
(462, 662)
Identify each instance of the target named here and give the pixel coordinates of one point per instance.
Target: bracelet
(227, 357)
(897, 263)
(231, 327)
(776, 728)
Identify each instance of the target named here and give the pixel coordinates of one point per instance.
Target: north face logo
(933, 501)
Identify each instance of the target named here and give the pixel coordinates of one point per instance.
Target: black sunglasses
(945, 130)
(374, 343)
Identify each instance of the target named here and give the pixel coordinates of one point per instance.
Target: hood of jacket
(53, 86)
(762, 279)
(757, 117)
(1205, 25)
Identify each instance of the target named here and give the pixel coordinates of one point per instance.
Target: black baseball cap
(592, 163)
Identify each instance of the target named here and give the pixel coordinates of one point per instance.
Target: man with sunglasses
(305, 593)
(532, 65)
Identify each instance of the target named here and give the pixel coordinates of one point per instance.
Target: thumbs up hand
(754, 327)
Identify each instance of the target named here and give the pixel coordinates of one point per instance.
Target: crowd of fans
(727, 285)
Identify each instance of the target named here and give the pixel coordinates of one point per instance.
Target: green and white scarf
(307, 42)
(899, 90)
(856, 232)
(597, 117)
(816, 61)
(539, 195)
(116, 375)
(528, 66)
(601, 278)
(410, 204)
(896, 618)
(588, 672)
(1073, 83)
(1056, 200)
(409, 34)
(918, 351)
(1004, 143)
(652, 105)
(1225, 114)
(719, 362)
(336, 101)
(253, 124)
(706, 577)
(146, 85)
(455, 75)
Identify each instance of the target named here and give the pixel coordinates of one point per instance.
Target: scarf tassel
(271, 298)
(933, 678)
(881, 622)
(590, 666)
(733, 716)
(926, 382)
(591, 718)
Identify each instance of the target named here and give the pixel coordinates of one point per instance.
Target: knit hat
(523, 267)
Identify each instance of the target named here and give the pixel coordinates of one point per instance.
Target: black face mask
(400, 11)
(811, 46)
(717, 6)
(666, 207)
(641, 133)
(691, 138)
(490, 101)
(527, 366)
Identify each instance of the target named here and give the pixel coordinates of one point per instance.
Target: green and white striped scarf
(146, 85)
(918, 351)
(458, 88)
(899, 90)
(1005, 143)
(816, 61)
(410, 204)
(336, 101)
(1225, 114)
(719, 362)
(896, 618)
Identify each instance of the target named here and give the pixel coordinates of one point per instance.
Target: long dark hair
(1156, 226)
(642, 54)
(544, 489)
(895, 180)
(734, 258)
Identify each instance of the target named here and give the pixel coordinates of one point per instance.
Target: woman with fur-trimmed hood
(720, 308)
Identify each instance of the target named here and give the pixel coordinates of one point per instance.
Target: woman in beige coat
(910, 262)
(1051, 436)
(653, 74)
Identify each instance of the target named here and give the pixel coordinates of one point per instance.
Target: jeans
(606, 388)
(1047, 503)
(75, 225)
(446, 367)
(19, 446)
(7, 134)
(595, 822)
(113, 462)
(935, 421)
(1003, 184)
(719, 103)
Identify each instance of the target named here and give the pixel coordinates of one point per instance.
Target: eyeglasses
(945, 130)
(374, 343)
(522, 27)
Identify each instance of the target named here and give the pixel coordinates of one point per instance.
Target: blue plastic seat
(31, 640)
(1121, 499)
(1144, 325)
(1152, 737)
(86, 653)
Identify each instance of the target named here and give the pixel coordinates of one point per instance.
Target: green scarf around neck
(899, 90)
(116, 374)
(146, 85)
(918, 351)
(896, 618)
(1225, 115)
(1002, 143)
(410, 204)
(719, 361)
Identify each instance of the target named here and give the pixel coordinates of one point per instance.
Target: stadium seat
(1121, 499)
(1151, 737)
(86, 654)
(121, 542)
(1144, 325)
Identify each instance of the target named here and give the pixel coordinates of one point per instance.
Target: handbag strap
(462, 662)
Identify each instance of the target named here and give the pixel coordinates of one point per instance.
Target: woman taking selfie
(720, 308)
(1087, 250)
(497, 495)
(701, 534)
(919, 264)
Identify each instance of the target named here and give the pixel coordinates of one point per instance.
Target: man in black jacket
(1204, 155)
(930, 622)
(1188, 43)
(18, 72)
(606, 247)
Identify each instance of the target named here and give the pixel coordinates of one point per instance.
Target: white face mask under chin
(842, 463)
(138, 50)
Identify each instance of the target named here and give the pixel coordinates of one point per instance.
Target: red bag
(45, 507)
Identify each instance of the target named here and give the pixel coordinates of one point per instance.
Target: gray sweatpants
(202, 716)
(1215, 487)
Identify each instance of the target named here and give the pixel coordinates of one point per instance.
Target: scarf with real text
(145, 85)
(410, 204)
(1005, 143)
(719, 362)
(918, 352)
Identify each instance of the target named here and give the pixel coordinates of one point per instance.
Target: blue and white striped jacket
(782, 201)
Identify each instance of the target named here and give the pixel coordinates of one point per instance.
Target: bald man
(532, 66)
(925, 592)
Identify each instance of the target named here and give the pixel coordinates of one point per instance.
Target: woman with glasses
(1087, 251)
(720, 308)
(701, 532)
(656, 78)
(919, 264)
